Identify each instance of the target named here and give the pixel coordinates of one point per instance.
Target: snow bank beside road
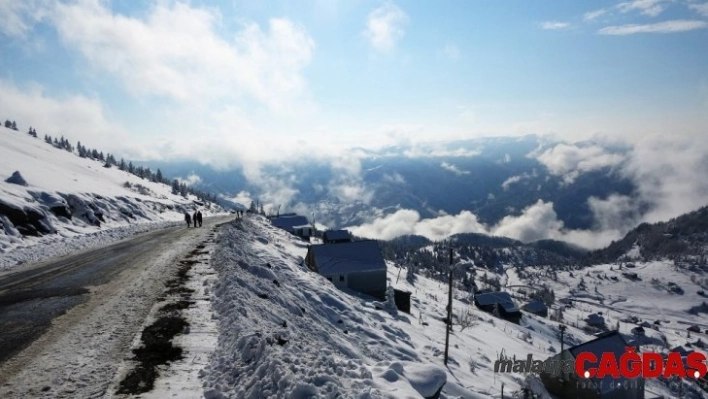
(286, 332)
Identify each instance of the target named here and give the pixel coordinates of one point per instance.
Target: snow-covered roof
(535, 306)
(348, 257)
(595, 319)
(289, 222)
(492, 298)
(336, 235)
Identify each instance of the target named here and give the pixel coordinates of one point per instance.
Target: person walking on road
(199, 218)
(188, 219)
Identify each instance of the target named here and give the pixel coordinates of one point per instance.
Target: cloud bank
(667, 171)
(673, 26)
(570, 160)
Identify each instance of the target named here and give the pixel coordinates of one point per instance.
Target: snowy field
(79, 202)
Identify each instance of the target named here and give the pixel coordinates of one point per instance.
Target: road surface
(66, 323)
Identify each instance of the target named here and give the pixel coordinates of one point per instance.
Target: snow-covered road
(68, 323)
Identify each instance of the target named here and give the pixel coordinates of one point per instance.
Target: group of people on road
(196, 219)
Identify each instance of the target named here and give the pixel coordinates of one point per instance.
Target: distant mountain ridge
(484, 251)
(684, 238)
(490, 177)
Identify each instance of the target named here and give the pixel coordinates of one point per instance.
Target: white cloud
(651, 8)
(393, 178)
(437, 151)
(454, 169)
(615, 215)
(384, 27)
(538, 221)
(570, 161)
(452, 51)
(347, 184)
(181, 55)
(701, 8)
(18, 17)
(554, 25)
(672, 26)
(407, 222)
(190, 180)
(243, 197)
(669, 172)
(276, 189)
(593, 15)
(515, 179)
(77, 117)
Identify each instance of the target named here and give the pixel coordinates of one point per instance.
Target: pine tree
(14, 126)
(158, 176)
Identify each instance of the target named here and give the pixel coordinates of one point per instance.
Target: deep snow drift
(66, 196)
(286, 332)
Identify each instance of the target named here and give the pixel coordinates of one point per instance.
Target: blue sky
(241, 81)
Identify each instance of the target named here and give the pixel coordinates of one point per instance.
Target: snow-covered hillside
(287, 332)
(65, 196)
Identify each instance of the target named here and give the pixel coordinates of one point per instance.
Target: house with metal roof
(536, 307)
(336, 236)
(570, 385)
(357, 265)
(293, 224)
(498, 302)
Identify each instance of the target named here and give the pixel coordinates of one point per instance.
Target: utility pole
(562, 330)
(449, 310)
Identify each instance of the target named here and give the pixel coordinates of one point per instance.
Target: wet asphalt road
(32, 296)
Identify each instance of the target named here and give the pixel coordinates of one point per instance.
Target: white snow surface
(57, 178)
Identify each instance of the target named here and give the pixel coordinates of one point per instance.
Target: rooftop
(348, 257)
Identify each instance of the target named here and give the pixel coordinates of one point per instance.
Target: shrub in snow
(16, 178)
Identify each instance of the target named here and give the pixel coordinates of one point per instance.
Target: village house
(569, 384)
(536, 307)
(336, 236)
(595, 320)
(498, 302)
(293, 224)
(357, 265)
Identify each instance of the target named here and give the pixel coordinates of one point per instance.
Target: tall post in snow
(562, 330)
(449, 310)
